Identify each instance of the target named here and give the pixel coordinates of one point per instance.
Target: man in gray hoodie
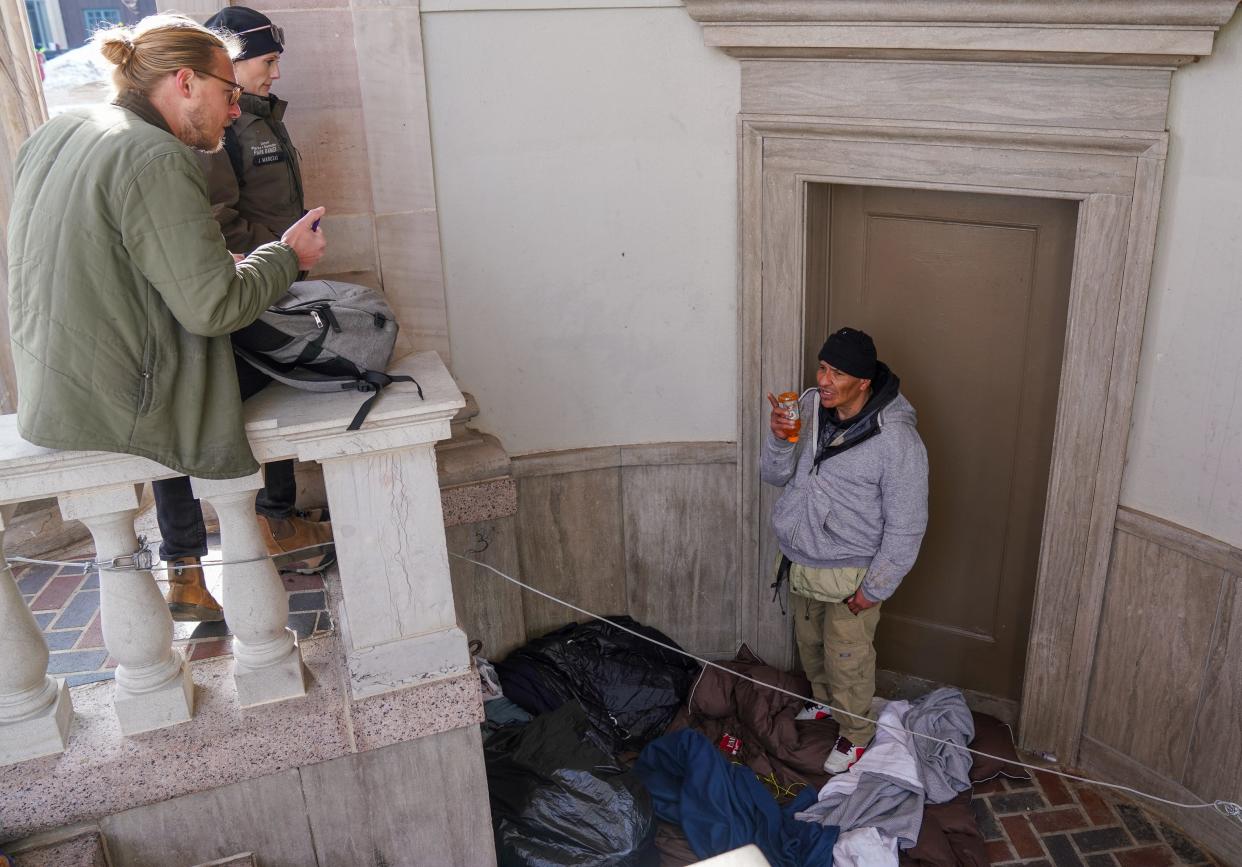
(849, 523)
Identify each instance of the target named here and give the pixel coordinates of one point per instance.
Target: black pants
(181, 517)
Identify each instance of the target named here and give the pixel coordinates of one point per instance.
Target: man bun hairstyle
(157, 46)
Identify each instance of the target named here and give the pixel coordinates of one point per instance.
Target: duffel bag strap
(375, 381)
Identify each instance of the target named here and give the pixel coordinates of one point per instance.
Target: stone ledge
(281, 422)
(1150, 13)
(81, 846)
(470, 457)
(1127, 32)
(103, 773)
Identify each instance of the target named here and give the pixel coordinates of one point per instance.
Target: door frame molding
(1055, 99)
(1116, 178)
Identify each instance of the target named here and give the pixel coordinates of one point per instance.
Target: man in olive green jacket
(122, 290)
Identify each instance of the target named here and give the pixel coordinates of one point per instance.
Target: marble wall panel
(489, 608)
(680, 564)
(259, 815)
(334, 159)
(1215, 747)
(319, 68)
(640, 530)
(571, 545)
(351, 244)
(1155, 633)
(409, 257)
(274, 8)
(394, 93)
(418, 802)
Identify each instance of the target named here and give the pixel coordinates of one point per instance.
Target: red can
(730, 745)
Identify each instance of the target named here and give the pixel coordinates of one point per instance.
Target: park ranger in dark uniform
(255, 182)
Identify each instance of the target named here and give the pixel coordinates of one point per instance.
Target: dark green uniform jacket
(255, 182)
(123, 294)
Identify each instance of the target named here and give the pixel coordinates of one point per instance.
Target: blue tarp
(721, 806)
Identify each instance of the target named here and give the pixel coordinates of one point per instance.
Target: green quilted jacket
(122, 295)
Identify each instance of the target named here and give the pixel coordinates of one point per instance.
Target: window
(38, 24)
(96, 18)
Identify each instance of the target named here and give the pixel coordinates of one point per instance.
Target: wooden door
(966, 297)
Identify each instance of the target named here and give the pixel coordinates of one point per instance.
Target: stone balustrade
(397, 618)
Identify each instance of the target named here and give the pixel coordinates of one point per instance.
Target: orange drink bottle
(788, 401)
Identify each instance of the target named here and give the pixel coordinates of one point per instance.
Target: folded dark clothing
(949, 837)
(722, 806)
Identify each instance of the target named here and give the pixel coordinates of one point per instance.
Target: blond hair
(157, 46)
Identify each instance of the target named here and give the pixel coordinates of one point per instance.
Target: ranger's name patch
(267, 152)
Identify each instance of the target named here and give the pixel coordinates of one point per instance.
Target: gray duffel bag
(325, 336)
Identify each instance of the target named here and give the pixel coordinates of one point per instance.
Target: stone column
(398, 621)
(35, 709)
(21, 113)
(267, 661)
(153, 685)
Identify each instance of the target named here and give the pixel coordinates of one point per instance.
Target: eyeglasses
(237, 88)
(277, 34)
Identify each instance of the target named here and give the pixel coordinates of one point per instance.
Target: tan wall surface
(586, 174)
(1185, 452)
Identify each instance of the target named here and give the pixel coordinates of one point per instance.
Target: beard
(199, 132)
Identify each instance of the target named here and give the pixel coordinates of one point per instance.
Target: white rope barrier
(1228, 809)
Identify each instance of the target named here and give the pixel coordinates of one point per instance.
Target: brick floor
(66, 606)
(1051, 821)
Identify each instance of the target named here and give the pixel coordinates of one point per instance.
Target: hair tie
(127, 51)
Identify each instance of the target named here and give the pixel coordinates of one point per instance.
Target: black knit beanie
(238, 19)
(850, 351)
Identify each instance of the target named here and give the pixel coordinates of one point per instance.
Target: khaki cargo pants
(838, 656)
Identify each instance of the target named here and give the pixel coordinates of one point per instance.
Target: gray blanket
(890, 804)
(945, 770)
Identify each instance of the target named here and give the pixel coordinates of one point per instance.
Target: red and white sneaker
(843, 756)
(814, 711)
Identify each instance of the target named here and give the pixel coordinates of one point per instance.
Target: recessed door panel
(966, 297)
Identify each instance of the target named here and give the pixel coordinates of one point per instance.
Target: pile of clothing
(604, 749)
(561, 711)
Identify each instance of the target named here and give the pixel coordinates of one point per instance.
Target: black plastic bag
(558, 798)
(630, 688)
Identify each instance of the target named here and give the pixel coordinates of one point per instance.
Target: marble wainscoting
(645, 530)
(1166, 687)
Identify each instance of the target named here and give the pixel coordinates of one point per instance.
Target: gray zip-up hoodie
(865, 505)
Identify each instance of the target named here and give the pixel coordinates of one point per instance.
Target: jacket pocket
(146, 386)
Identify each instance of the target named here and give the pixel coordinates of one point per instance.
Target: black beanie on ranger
(261, 38)
(850, 351)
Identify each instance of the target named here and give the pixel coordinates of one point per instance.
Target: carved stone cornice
(1129, 32)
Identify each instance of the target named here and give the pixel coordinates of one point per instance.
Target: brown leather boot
(286, 536)
(188, 596)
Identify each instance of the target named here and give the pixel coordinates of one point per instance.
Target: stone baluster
(267, 659)
(35, 709)
(153, 685)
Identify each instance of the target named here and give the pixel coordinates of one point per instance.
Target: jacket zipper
(144, 395)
